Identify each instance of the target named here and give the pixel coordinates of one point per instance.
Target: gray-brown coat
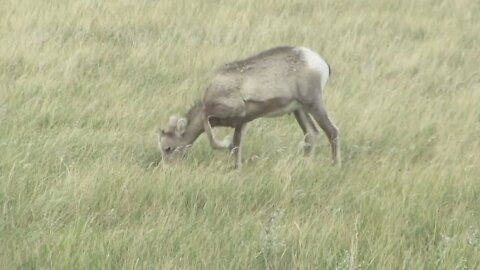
(271, 83)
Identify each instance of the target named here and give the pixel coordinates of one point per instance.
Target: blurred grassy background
(84, 84)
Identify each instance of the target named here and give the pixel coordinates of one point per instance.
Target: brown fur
(268, 84)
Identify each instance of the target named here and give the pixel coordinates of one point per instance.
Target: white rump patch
(316, 62)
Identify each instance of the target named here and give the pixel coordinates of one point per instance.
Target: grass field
(84, 84)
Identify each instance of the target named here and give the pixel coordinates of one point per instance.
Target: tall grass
(84, 84)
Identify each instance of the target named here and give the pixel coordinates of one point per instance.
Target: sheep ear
(181, 126)
(172, 122)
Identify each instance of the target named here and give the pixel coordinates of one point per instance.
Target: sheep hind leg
(309, 129)
(320, 114)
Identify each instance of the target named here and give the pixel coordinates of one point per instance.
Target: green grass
(84, 84)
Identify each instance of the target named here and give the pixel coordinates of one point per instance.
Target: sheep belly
(290, 107)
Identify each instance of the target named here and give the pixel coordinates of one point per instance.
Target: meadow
(85, 84)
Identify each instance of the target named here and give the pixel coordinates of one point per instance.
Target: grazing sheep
(271, 83)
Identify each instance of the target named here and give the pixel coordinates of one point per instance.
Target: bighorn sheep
(271, 83)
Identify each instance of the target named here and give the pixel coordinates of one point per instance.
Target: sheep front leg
(211, 137)
(235, 147)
